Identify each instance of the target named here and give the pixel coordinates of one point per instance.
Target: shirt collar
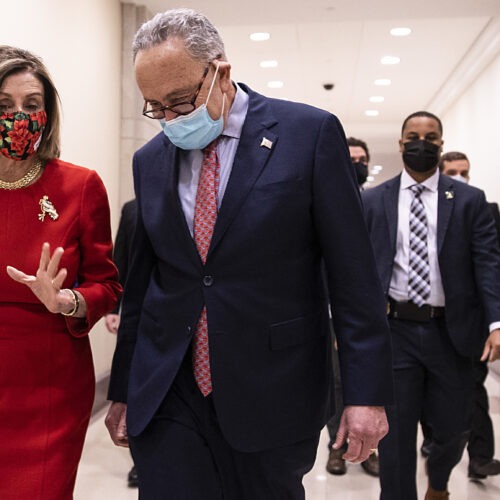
(430, 183)
(237, 114)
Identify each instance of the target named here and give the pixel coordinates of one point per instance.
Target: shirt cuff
(494, 326)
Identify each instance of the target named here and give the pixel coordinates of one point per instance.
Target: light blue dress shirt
(190, 161)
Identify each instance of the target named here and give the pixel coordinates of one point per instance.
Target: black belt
(411, 312)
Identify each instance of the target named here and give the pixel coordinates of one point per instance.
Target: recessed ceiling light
(275, 84)
(390, 60)
(260, 37)
(371, 112)
(377, 168)
(376, 98)
(382, 82)
(370, 178)
(400, 31)
(268, 64)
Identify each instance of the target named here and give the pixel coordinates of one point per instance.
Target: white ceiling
(341, 42)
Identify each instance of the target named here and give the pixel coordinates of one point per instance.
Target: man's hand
(491, 351)
(112, 322)
(116, 425)
(362, 427)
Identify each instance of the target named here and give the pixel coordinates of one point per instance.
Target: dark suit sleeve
(142, 261)
(357, 301)
(123, 242)
(496, 217)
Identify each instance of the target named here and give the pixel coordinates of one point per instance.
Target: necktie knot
(211, 148)
(417, 189)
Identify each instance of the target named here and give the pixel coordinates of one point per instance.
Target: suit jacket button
(208, 280)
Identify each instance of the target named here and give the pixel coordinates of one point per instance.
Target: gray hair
(201, 39)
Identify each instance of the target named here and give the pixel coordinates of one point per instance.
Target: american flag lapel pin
(449, 195)
(266, 143)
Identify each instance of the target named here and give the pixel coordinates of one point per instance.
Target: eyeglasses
(157, 112)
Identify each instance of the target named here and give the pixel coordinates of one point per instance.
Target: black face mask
(361, 172)
(420, 155)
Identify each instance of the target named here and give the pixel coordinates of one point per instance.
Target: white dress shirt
(398, 288)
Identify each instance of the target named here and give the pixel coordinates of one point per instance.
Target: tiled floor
(104, 467)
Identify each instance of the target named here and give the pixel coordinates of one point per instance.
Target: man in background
(360, 158)
(481, 445)
(437, 254)
(121, 257)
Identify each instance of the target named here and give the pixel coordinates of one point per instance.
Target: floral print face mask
(21, 134)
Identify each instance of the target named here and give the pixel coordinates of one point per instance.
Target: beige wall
(136, 130)
(468, 104)
(81, 44)
(472, 126)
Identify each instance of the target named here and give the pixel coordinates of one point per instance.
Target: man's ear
(225, 76)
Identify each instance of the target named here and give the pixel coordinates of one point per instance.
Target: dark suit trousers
(182, 454)
(482, 439)
(481, 445)
(429, 377)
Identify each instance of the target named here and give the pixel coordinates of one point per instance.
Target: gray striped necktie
(419, 284)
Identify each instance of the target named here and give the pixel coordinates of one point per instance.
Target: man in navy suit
(481, 445)
(246, 424)
(455, 264)
(122, 249)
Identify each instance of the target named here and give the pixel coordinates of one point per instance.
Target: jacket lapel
(446, 202)
(174, 214)
(391, 199)
(256, 145)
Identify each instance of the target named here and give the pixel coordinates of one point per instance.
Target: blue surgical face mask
(196, 130)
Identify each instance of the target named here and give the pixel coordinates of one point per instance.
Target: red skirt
(46, 394)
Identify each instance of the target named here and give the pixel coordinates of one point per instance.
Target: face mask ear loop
(223, 103)
(213, 83)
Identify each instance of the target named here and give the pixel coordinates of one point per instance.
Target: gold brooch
(47, 208)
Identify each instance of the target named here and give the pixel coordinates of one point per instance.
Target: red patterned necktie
(205, 214)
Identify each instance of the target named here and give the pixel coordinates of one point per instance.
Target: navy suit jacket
(123, 243)
(468, 255)
(285, 208)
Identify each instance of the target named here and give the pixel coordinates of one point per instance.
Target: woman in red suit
(48, 302)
